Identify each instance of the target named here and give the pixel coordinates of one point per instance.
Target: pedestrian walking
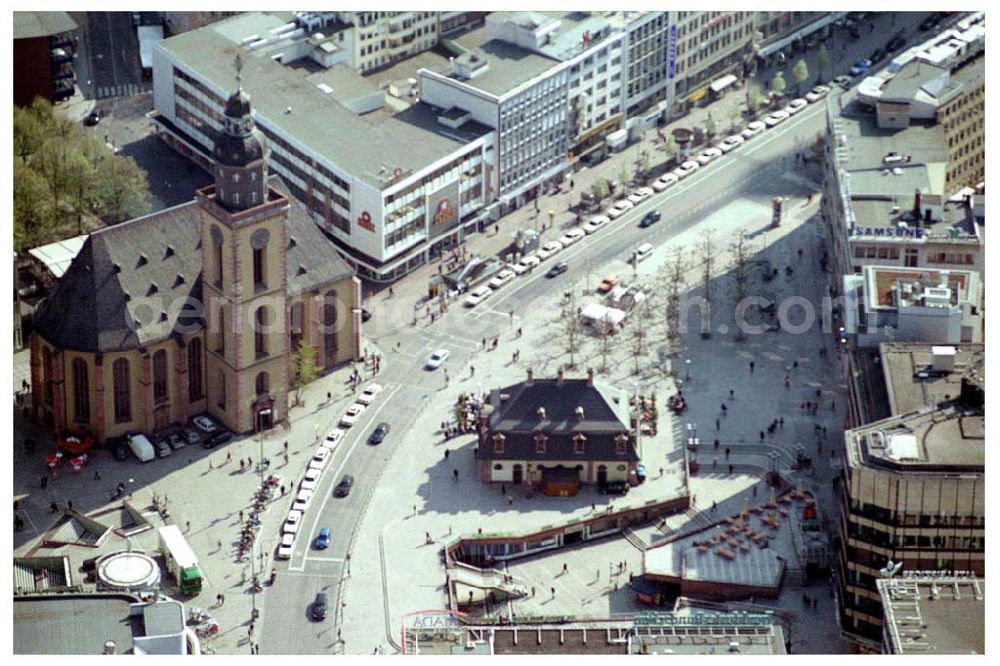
(189, 526)
(69, 505)
(532, 592)
(454, 473)
(503, 489)
(727, 453)
(553, 590)
(447, 452)
(716, 444)
(716, 424)
(833, 405)
(754, 492)
(781, 422)
(210, 466)
(762, 435)
(795, 365)
(53, 507)
(97, 475)
(732, 394)
(724, 408)
(565, 568)
(44, 481)
(751, 367)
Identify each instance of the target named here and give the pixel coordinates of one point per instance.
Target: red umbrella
(51, 459)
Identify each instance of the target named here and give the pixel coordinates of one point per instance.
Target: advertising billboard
(442, 209)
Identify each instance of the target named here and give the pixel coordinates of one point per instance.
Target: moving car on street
(352, 414)
(437, 358)
(322, 539)
(378, 434)
(343, 488)
(557, 270)
(477, 296)
(650, 218)
(319, 607)
(860, 67)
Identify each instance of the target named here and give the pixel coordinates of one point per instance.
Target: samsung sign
(672, 51)
(887, 232)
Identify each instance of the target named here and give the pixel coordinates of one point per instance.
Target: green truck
(180, 560)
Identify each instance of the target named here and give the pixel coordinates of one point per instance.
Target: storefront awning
(698, 94)
(721, 84)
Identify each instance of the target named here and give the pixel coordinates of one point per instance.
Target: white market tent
(593, 313)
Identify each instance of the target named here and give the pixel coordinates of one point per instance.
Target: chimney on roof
(559, 377)
(541, 413)
(916, 206)
(590, 376)
(579, 413)
(531, 376)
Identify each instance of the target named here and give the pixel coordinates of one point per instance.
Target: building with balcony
(933, 613)
(44, 47)
(886, 304)
(709, 45)
(912, 489)
(195, 308)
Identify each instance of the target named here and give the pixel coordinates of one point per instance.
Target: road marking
(324, 559)
(289, 572)
(326, 495)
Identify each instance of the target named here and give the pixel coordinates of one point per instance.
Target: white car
(437, 358)
(311, 478)
(320, 458)
(518, 268)
(205, 424)
(477, 296)
(817, 93)
(542, 254)
(795, 106)
(368, 395)
(685, 169)
(619, 208)
(353, 412)
(571, 236)
(530, 261)
(552, 247)
(665, 181)
(299, 505)
(595, 223)
(753, 129)
(286, 547)
(731, 142)
(292, 523)
(640, 195)
(304, 496)
(333, 438)
(708, 155)
(777, 117)
(500, 279)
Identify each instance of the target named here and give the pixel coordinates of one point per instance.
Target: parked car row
(201, 430)
(314, 472)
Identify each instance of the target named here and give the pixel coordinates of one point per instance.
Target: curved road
(754, 171)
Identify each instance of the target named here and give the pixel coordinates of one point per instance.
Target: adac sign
(887, 232)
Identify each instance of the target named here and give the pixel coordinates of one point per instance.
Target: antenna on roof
(239, 71)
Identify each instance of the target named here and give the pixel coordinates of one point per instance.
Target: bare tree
(674, 273)
(571, 327)
(638, 334)
(604, 330)
(742, 273)
(706, 257)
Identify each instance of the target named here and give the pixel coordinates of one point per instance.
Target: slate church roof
(604, 417)
(139, 282)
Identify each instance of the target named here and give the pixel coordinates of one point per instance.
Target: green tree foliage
(756, 98)
(63, 178)
(778, 84)
(822, 58)
(800, 73)
(304, 367)
(600, 189)
(711, 126)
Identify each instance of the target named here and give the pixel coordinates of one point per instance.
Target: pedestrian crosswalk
(103, 92)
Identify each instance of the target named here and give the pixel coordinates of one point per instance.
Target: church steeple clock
(240, 152)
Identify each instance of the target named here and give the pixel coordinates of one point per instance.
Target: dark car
(343, 488)
(118, 447)
(615, 488)
(878, 55)
(176, 441)
(558, 269)
(319, 606)
(895, 43)
(162, 447)
(93, 118)
(378, 434)
(218, 437)
(650, 218)
(929, 23)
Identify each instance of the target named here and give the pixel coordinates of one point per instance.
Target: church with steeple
(203, 307)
